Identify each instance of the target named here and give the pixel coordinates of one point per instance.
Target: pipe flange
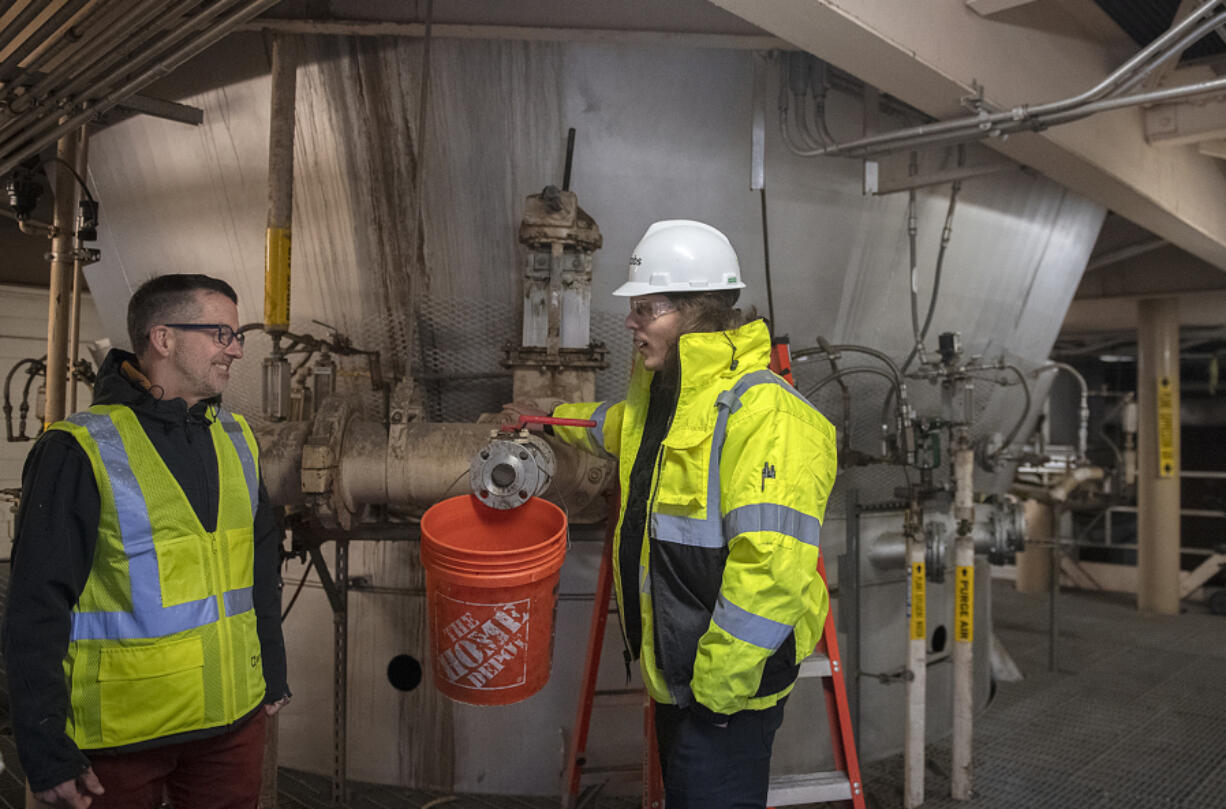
(509, 471)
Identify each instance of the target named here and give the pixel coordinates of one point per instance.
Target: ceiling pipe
(207, 38)
(46, 30)
(55, 92)
(1023, 117)
(89, 76)
(62, 61)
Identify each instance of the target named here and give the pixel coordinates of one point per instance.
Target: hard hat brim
(633, 289)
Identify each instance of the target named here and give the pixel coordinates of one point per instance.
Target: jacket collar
(710, 361)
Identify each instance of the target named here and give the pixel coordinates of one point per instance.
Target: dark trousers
(222, 772)
(709, 767)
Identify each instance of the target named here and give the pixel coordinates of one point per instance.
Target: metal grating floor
(1132, 720)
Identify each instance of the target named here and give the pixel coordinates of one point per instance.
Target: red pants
(222, 772)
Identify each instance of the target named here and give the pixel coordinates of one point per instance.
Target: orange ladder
(843, 782)
(576, 761)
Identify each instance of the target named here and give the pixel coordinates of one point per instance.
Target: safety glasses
(223, 333)
(645, 311)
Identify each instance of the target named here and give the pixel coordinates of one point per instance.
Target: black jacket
(57, 530)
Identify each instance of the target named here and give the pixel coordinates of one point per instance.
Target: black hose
(946, 234)
(825, 348)
(848, 372)
(1021, 378)
(834, 369)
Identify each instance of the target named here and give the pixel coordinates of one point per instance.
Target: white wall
(23, 333)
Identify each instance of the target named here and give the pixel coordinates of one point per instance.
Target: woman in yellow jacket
(725, 471)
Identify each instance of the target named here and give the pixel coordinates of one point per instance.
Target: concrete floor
(1132, 719)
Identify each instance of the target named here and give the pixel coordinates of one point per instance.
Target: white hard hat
(681, 255)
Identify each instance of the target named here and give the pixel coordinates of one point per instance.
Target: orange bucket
(491, 592)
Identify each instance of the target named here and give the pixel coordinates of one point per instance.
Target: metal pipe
(280, 185)
(964, 612)
(1158, 485)
(62, 267)
(54, 49)
(55, 21)
(78, 280)
(161, 68)
(102, 44)
(981, 125)
(1083, 413)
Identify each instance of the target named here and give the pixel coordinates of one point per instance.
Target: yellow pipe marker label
(276, 278)
(918, 605)
(1166, 428)
(964, 611)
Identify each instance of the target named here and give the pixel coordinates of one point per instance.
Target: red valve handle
(526, 420)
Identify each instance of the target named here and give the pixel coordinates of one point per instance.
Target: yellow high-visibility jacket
(164, 634)
(728, 595)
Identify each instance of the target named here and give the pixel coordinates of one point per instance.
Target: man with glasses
(142, 633)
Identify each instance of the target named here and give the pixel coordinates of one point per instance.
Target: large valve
(516, 465)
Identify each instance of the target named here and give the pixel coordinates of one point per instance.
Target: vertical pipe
(340, 681)
(280, 185)
(964, 613)
(59, 304)
(917, 663)
(1158, 529)
(78, 280)
(1033, 564)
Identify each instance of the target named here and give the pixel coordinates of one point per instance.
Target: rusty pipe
(78, 280)
(280, 185)
(62, 266)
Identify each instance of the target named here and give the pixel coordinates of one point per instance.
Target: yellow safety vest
(738, 493)
(164, 634)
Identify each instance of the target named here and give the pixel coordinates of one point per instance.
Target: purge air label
(485, 646)
(1166, 428)
(964, 610)
(918, 598)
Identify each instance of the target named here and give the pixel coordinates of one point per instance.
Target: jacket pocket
(685, 459)
(183, 575)
(240, 548)
(147, 692)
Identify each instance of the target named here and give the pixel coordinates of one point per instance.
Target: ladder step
(818, 787)
(815, 665)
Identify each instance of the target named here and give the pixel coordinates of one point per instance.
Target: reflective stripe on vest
(713, 531)
(250, 472)
(148, 618)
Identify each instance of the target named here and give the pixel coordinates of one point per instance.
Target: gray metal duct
(67, 62)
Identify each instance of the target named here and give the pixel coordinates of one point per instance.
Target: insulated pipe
(964, 614)
(59, 311)
(78, 280)
(1158, 489)
(280, 185)
(914, 736)
(212, 34)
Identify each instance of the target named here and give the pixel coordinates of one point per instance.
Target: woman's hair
(711, 311)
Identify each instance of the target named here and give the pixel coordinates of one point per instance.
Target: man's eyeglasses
(645, 311)
(224, 334)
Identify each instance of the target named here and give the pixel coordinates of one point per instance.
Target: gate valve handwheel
(524, 421)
